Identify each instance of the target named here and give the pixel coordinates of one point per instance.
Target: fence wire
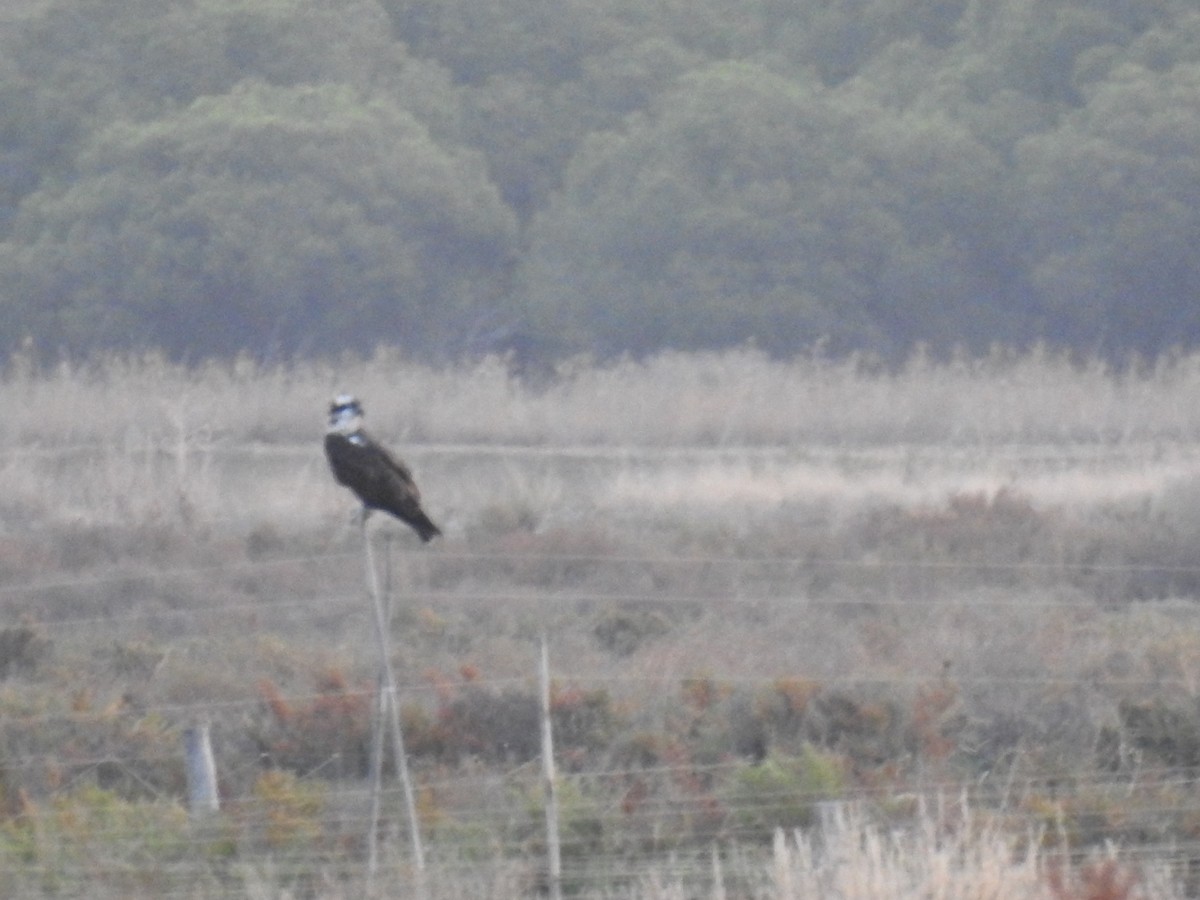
(484, 835)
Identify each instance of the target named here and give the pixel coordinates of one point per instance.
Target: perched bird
(362, 464)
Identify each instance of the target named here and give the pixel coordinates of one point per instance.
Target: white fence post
(201, 770)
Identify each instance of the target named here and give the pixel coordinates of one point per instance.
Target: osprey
(379, 479)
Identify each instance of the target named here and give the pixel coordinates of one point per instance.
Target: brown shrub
(1099, 880)
(328, 732)
(22, 649)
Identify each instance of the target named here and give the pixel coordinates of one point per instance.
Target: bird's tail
(425, 527)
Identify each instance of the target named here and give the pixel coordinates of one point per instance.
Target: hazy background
(460, 176)
(781, 555)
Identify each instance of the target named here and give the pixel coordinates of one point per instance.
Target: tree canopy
(462, 176)
(296, 215)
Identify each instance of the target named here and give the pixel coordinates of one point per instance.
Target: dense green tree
(138, 57)
(34, 137)
(687, 172)
(526, 132)
(838, 39)
(83, 63)
(1113, 196)
(529, 130)
(951, 271)
(1034, 47)
(1168, 41)
(628, 77)
(478, 39)
(746, 206)
(274, 218)
(691, 226)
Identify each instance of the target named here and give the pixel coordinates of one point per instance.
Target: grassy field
(776, 594)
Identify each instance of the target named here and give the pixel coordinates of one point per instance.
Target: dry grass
(974, 532)
(125, 440)
(852, 856)
(948, 856)
(733, 399)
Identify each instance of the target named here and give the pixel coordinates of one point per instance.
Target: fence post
(718, 876)
(382, 632)
(830, 816)
(201, 770)
(550, 789)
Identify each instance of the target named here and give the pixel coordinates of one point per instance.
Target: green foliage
(1168, 734)
(782, 792)
(584, 722)
(1110, 192)
(286, 812)
(58, 734)
(697, 231)
(625, 629)
(473, 721)
(291, 212)
(493, 725)
(22, 649)
(930, 588)
(975, 530)
(458, 176)
(120, 844)
(711, 221)
(328, 734)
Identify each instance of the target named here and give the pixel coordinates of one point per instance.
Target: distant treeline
(288, 177)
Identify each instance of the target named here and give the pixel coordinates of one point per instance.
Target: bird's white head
(345, 414)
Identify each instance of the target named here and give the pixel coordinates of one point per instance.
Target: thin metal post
(549, 786)
(390, 701)
(378, 739)
(376, 777)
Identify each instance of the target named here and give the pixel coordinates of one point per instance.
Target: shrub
(496, 726)
(328, 733)
(1104, 879)
(1170, 735)
(584, 721)
(623, 630)
(121, 845)
(988, 536)
(22, 649)
(782, 792)
(287, 810)
(869, 730)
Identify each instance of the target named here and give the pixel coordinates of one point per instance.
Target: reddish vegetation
(1101, 880)
(862, 622)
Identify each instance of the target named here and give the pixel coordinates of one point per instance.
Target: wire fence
(317, 560)
(483, 816)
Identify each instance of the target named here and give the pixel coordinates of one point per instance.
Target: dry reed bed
(736, 398)
(131, 439)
